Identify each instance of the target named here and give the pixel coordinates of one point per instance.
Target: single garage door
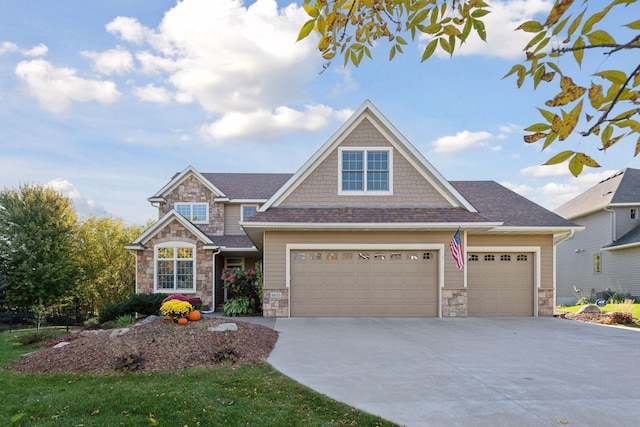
(360, 283)
(500, 284)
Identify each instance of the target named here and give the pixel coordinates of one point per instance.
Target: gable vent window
(365, 171)
(198, 213)
(633, 213)
(248, 210)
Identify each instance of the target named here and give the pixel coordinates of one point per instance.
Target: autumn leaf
(529, 139)
(557, 11)
(570, 121)
(559, 158)
(570, 92)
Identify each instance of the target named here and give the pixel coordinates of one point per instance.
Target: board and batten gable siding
(576, 257)
(275, 252)
(232, 220)
(192, 190)
(320, 188)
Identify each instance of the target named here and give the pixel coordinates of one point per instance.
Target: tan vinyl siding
(275, 249)
(320, 188)
(232, 220)
(545, 242)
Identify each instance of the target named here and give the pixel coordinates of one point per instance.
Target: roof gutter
(371, 225)
(565, 237)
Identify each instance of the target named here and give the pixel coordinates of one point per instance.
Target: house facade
(606, 255)
(363, 228)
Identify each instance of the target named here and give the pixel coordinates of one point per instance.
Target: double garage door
(352, 283)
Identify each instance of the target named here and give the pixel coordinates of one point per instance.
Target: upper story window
(633, 213)
(197, 213)
(365, 170)
(247, 211)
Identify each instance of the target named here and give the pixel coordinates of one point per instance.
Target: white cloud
(83, 204)
(39, 50)
(237, 62)
(502, 39)
(8, 47)
(55, 88)
(113, 61)
(545, 171)
(267, 124)
(461, 141)
(151, 93)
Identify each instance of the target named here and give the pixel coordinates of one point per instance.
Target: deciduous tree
(601, 105)
(37, 227)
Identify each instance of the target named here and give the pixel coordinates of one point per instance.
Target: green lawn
(244, 395)
(634, 309)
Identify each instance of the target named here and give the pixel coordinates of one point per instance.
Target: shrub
(38, 336)
(112, 311)
(146, 304)
(585, 301)
(238, 305)
(125, 319)
(620, 318)
(619, 298)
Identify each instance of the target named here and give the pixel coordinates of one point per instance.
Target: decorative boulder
(224, 327)
(589, 309)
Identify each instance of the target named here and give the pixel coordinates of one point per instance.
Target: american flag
(456, 250)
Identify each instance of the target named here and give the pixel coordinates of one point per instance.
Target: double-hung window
(175, 267)
(198, 213)
(247, 211)
(365, 171)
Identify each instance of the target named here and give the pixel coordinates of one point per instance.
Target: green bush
(585, 301)
(38, 336)
(238, 305)
(125, 320)
(619, 298)
(137, 303)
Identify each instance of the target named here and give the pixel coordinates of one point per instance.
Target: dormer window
(247, 211)
(366, 171)
(197, 213)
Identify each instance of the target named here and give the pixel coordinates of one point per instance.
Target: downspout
(213, 285)
(613, 222)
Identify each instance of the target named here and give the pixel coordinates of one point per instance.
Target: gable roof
(368, 111)
(621, 188)
(172, 215)
(179, 178)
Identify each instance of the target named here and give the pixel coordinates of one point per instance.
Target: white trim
(176, 205)
(246, 201)
(370, 225)
(397, 140)
(138, 244)
(242, 206)
(174, 244)
(619, 247)
(537, 264)
(180, 177)
(368, 246)
(365, 192)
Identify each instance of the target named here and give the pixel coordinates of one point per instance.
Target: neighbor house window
(633, 213)
(194, 212)
(175, 267)
(247, 211)
(365, 171)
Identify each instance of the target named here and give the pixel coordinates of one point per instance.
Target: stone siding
(454, 303)
(545, 302)
(275, 303)
(175, 231)
(192, 190)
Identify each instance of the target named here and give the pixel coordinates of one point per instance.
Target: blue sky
(106, 100)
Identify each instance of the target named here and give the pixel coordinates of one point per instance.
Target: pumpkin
(194, 316)
(182, 321)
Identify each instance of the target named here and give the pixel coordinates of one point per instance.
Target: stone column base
(275, 302)
(454, 303)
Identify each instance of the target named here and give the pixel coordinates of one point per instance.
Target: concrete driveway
(468, 372)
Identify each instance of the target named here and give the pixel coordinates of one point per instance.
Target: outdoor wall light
(579, 251)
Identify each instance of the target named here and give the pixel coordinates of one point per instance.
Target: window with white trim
(247, 211)
(365, 171)
(175, 267)
(198, 213)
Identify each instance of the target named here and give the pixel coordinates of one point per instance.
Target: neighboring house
(607, 253)
(363, 228)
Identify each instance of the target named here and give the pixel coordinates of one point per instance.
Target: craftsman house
(606, 255)
(363, 228)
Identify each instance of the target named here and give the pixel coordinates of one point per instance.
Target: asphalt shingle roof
(259, 186)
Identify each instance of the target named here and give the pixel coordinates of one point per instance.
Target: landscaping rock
(148, 319)
(589, 309)
(89, 332)
(224, 327)
(61, 344)
(119, 332)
